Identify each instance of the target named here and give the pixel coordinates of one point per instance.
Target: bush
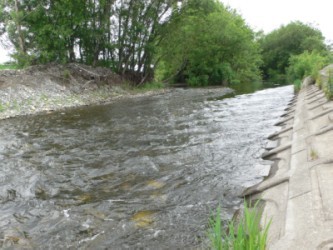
(328, 89)
(152, 86)
(306, 64)
(198, 81)
(23, 60)
(8, 66)
(297, 85)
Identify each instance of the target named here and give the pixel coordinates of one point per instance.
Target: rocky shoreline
(53, 87)
(49, 88)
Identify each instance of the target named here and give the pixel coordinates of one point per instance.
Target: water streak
(138, 173)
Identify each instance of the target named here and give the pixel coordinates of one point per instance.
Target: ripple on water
(141, 173)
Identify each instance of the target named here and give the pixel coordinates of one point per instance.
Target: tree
(198, 41)
(208, 43)
(292, 39)
(12, 21)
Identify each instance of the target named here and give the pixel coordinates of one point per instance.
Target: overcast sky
(268, 15)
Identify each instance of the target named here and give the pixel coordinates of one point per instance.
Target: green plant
(313, 154)
(306, 64)
(245, 234)
(152, 86)
(23, 60)
(8, 66)
(329, 87)
(297, 85)
(319, 81)
(289, 40)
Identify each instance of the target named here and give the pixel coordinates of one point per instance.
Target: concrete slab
(325, 181)
(299, 192)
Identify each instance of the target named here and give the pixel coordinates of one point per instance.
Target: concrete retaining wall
(298, 194)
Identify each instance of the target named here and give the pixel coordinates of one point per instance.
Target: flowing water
(141, 173)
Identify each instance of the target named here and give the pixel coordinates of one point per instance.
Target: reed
(245, 234)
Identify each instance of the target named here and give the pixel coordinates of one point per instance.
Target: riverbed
(138, 173)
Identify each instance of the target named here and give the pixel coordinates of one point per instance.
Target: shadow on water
(246, 88)
(251, 87)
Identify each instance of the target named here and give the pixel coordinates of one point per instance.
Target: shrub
(306, 64)
(198, 81)
(8, 66)
(297, 85)
(152, 86)
(329, 87)
(23, 60)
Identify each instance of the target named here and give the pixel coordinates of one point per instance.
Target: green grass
(7, 66)
(297, 85)
(243, 235)
(152, 86)
(313, 154)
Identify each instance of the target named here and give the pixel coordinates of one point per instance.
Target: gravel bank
(55, 87)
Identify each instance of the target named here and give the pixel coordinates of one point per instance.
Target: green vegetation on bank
(328, 89)
(305, 64)
(198, 42)
(208, 44)
(324, 81)
(8, 66)
(239, 235)
(281, 45)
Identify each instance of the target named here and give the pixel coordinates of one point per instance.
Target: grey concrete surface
(299, 196)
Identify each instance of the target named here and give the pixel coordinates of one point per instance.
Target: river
(142, 173)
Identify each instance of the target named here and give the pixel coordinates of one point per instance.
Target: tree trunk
(19, 29)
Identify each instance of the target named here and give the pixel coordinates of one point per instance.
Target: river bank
(48, 88)
(298, 192)
(138, 173)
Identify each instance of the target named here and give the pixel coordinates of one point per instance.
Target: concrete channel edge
(298, 194)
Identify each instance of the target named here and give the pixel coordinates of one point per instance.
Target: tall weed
(243, 235)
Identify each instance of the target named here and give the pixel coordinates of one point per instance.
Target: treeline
(292, 52)
(198, 42)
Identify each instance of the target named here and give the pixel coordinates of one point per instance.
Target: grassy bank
(8, 66)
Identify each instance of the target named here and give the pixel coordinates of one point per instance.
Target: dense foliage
(199, 42)
(285, 42)
(305, 64)
(120, 34)
(207, 43)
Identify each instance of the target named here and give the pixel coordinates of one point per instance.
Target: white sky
(268, 15)
(3, 55)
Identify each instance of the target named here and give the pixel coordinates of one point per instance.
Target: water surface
(139, 173)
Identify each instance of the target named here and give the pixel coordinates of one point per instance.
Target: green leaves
(200, 42)
(208, 44)
(306, 64)
(292, 39)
